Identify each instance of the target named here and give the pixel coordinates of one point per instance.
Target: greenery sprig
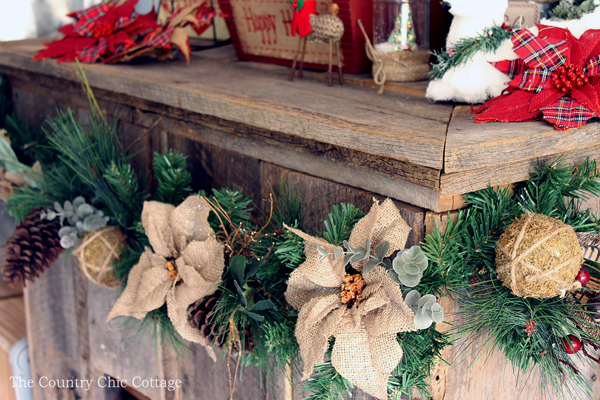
(530, 332)
(465, 49)
(572, 9)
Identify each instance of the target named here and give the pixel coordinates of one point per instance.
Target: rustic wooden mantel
(244, 124)
(396, 145)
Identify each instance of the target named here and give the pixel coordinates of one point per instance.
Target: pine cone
(199, 316)
(34, 245)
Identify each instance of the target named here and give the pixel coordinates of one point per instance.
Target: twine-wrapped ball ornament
(538, 256)
(97, 254)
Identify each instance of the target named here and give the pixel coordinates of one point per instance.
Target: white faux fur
(476, 80)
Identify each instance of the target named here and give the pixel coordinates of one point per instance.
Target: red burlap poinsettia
(556, 77)
(113, 32)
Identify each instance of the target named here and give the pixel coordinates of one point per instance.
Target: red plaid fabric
(512, 68)
(539, 52)
(159, 39)
(93, 53)
(88, 17)
(567, 113)
(533, 80)
(113, 32)
(593, 67)
(531, 93)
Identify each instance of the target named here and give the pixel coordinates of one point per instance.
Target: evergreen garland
(488, 309)
(466, 48)
(174, 181)
(572, 9)
(421, 348)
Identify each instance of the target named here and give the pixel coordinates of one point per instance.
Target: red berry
(571, 344)
(583, 276)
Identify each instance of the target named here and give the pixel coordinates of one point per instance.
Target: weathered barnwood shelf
(396, 145)
(245, 125)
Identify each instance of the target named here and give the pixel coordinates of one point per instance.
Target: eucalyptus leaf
(77, 201)
(428, 298)
(421, 321)
(348, 247)
(336, 253)
(382, 249)
(263, 305)
(394, 276)
(84, 210)
(347, 258)
(241, 297)
(388, 264)
(410, 280)
(252, 315)
(370, 266)
(254, 266)
(237, 268)
(322, 251)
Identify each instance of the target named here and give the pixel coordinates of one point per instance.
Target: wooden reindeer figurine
(323, 29)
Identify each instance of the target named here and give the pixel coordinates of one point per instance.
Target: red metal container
(261, 31)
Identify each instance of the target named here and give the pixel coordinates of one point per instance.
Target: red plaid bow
(555, 78)
(101, 32)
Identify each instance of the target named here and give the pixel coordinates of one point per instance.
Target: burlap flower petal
(326, 273)
(192, 288)
(155, 219)
(141, 296)
(300, 290)
(189, 222)
(314, 329)
(208, 257)
(383, 222)
(364, 360)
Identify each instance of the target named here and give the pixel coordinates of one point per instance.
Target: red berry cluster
(569, 77)
(102, 28)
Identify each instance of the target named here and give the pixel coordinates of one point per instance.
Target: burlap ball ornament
(538, 256)
(97, 254)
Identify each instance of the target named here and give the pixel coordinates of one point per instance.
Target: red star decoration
(555, 78)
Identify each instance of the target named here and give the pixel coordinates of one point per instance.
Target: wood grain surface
(401, 127)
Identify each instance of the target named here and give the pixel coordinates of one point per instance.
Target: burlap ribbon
(183, 234)
(366, 350)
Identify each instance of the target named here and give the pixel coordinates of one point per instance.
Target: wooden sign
(262, 31)
(521, 14)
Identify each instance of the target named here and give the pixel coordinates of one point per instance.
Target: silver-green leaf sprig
(357, 254)
(80, 217)
(408, 266)
(426, 309)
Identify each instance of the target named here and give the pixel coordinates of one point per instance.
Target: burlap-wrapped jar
(538, 256)
(97, 253)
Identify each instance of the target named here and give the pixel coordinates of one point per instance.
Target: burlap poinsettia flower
(363, 313)
(186, 265)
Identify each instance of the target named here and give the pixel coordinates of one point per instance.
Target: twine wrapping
(401, 66)
(109, 242)
(366, 349)
(539, 256)
(181, 234)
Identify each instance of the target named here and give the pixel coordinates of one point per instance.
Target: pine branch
(174, 181)
(570, 9)
(340, 221)
(466, 48)
(124, 184)
(489, 311)
(235, 206)
(289, 208)
(326, 383)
